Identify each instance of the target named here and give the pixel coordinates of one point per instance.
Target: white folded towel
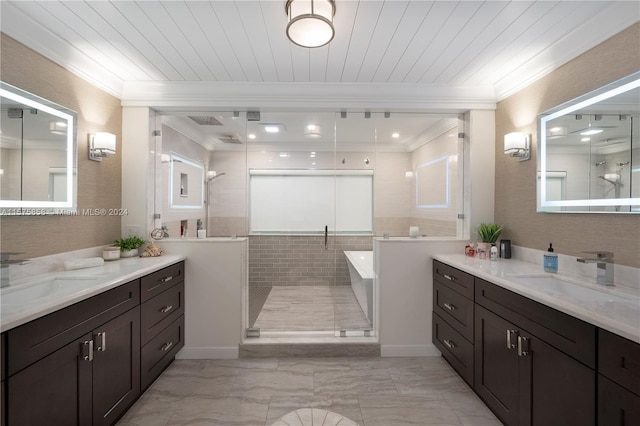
(90, 262)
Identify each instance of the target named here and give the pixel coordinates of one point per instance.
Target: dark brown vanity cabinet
(79, 365)
(85, 364)
(534, 365)
(618, 380)
(162, 319)
(453, 318)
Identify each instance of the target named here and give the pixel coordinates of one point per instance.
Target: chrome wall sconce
(101, 144)
(517, 145)
(310, 22)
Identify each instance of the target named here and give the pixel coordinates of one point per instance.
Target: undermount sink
(559, 285)
(25, 294)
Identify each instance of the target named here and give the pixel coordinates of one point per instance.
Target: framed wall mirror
(38, 146)
(589, 152)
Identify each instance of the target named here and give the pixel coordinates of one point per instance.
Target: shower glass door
(291, 196)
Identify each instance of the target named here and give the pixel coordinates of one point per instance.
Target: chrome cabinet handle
(166, 309)
(449, 306)
(88, 344)
(449, 277)
(102, 345)
(510, 334)
(449, 343)
(165, 279)
(523, 346)
(166, 346)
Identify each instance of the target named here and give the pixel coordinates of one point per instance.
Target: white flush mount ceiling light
(310, 22)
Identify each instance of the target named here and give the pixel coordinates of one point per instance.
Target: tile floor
(257, 392)
(311, 308)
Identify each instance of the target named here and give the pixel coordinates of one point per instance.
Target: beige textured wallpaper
(515, 202)
(98, 183)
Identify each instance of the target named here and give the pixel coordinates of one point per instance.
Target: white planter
(129, 253)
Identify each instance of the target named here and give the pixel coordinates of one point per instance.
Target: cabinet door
(555, 388)
(496, 365)
(116, 367)
(55, 390)
(616, 405)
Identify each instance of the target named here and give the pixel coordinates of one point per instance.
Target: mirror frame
(44, 207)
(623, 85)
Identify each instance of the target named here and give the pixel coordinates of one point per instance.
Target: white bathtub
(361, 272)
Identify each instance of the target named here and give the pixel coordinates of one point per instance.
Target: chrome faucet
(5, 262)
(604, 262)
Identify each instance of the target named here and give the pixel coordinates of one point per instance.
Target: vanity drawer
(159, 281)
(454, 308)
(572, 336)
(157, 313)
(455, 348)
(619, 360)
(34, 340)
(453, 278)
(160, 351)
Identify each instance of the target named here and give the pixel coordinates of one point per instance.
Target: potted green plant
(488, 233)
(129, 246)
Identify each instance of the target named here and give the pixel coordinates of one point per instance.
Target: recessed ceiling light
(395, 135)
(591, 132)
(585, 139)
(313, 130)
(284, 155)
(251, 135)
(272, 127)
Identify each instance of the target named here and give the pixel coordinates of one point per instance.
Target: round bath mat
(313, 417)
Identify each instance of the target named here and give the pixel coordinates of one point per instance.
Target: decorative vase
(483, 250)
(129, 253)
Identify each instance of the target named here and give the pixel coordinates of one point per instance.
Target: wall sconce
(101, 144)
(517, 145)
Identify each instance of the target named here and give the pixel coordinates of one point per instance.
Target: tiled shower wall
(301, 260)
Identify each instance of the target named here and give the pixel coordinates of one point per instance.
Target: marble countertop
(39, 295)
(616, 309)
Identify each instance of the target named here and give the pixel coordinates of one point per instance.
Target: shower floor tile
(311, 308)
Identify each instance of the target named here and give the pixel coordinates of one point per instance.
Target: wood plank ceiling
(504, 45)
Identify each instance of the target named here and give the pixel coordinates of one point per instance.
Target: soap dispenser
(550, 260)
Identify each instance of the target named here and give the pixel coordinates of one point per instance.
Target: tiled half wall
(289, 260)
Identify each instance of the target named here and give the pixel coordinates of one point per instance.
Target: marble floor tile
(353, 382)
(311, 365)
(259, 391)
(223, 411)
(263, 384)
(406, 411)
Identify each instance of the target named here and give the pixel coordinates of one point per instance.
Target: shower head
(212, 174)
(600, 163)
(623, 164)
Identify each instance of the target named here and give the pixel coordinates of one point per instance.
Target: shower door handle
(326, 236)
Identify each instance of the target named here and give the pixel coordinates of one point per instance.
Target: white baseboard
(408, 350)
(228, 352)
